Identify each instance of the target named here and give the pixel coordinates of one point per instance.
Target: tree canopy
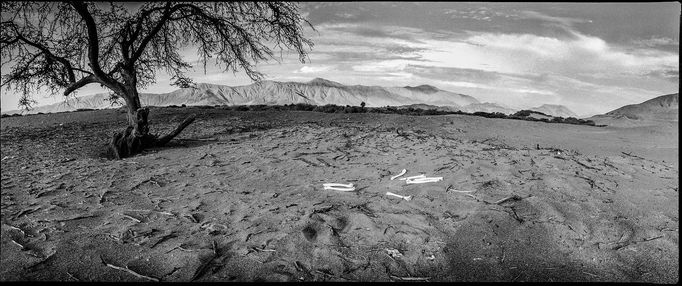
(64, 46)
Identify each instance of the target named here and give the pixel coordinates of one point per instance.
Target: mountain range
(316, 92)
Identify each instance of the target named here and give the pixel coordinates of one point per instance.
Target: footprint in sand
(323, 225)
(310, 233)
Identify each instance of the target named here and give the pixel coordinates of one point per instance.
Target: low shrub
(332, 108)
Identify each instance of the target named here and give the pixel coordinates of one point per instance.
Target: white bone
(407, 198)
(424, 180)
(416, 177)
(338, 185)
(398, 175)
(340, 189)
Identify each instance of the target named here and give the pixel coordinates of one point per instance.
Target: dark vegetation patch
(332, 108)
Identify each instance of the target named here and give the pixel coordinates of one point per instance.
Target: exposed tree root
(137, 138)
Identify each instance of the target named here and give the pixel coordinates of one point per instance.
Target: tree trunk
(135, 138)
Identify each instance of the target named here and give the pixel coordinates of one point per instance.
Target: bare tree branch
(93, 39)
(80, 83)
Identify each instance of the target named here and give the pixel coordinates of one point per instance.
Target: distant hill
(317, 92)
(664, 107)
(487, 107)
(555, 110)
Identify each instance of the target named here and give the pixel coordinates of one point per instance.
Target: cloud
(382, 66)
(314, 69)
(528, 53)
(356, 42)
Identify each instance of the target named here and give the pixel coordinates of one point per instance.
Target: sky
(589, 57)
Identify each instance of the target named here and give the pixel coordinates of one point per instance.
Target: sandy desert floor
(239, 197)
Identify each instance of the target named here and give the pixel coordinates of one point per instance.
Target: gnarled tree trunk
(135, 138)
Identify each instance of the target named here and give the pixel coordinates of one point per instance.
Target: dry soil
(239, 197)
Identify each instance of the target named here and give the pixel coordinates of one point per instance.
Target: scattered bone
(423, 180)
(398, 175)
(339, 187)
(416, 177)
(407, 198)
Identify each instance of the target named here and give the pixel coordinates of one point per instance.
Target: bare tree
(65, 46)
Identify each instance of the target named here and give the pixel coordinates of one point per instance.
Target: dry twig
(514, 197)
(410, 278)
(126, 269)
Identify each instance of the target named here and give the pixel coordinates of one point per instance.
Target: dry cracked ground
(238, 197)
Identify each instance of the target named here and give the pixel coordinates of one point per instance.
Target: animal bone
(423, 180)
(339, 187)
(416, 177)
(407, 198)
(398, 175)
